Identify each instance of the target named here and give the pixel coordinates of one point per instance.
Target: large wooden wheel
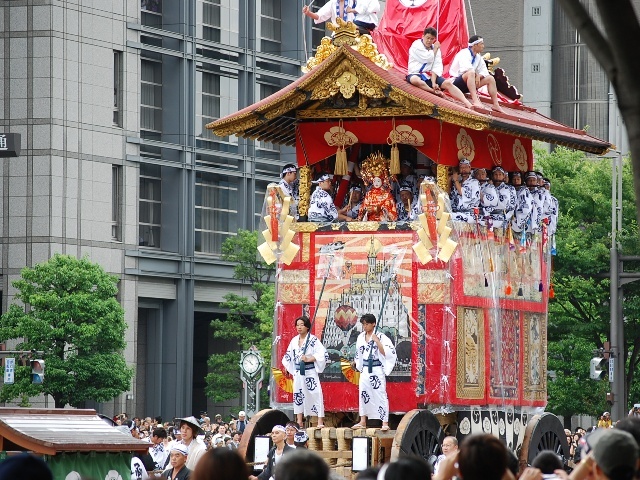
(419, 433)
(543, 432)
(261, 424)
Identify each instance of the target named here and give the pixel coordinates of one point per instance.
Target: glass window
(216, 211)
(218, 21)
(218, 161)
(150, 205)
(151, 99)
(116, 202)
(217, 96)
(270, 26)
(117, 88)
(265, 91)
(151, 13)
(259, 194)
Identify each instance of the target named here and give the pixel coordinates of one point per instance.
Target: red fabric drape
(403, 23)
(441, 142)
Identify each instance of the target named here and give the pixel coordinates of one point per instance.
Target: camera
(550, 476)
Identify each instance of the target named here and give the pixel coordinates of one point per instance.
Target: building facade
(547, 61)
(111, 99)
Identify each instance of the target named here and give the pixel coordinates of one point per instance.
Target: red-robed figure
(379, 204)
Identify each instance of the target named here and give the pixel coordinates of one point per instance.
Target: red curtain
(442, 142)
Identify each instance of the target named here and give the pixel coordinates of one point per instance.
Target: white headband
(479, 40)
(279, 428)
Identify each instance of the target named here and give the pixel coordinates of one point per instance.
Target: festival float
(464, 303)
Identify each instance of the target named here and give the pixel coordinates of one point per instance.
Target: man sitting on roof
(470, 73)
(425, 67)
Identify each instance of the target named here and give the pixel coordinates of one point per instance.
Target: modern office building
(111, 98)
(544, 57)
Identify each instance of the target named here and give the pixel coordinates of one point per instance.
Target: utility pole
(618, 278)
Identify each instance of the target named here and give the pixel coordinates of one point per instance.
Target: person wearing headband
(289, 185)
(488, 196)
(464, 193)
(178, 461)
(470, 73)
(407, 205)
(280, 447)
(375, 358)
(524, 204)
(305, 359)
(425, 67)
(506, 199)
(321, 206)
(537, 203)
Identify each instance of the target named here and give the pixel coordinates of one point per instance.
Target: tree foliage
(69, 312)
(579, 316)
(249, 320)
(608, 32)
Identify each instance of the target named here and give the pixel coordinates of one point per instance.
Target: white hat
(242, 413)
(180, 448)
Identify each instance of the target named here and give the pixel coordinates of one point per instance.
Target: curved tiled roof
(49, 431)
(273, 119)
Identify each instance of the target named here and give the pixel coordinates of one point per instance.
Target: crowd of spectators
(608, 452)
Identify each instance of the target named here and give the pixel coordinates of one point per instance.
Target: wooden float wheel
(260, 424)
(543, 432)
(419, 433)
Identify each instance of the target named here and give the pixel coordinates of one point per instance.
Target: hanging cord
(437, 26)
(304, 33)
(473, 22)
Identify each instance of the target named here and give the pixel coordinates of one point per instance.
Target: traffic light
(599, 368)
(37, 371)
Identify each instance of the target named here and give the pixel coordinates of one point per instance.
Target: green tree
(250, 319)
(70, 313)
(579, 314)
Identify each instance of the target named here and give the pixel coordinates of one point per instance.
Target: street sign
(611, 369)
(9, 144)
(9, 370)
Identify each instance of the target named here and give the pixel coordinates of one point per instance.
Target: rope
(304, 33)
(473, 22)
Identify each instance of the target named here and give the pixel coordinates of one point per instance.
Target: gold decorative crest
(466, 148)
(406, 135)
(494, 149)
(338, 136)
(520, 155)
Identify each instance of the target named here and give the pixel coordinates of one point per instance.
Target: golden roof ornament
(492, 63)
(346, 33)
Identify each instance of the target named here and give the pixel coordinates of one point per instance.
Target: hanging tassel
(394, 166)
(520, 292)
(552, 293)
(491, 264)
(508, 290)
(540, 287)
(486, 282)
(341, 168)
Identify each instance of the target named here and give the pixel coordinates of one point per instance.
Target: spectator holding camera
(635, 411)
